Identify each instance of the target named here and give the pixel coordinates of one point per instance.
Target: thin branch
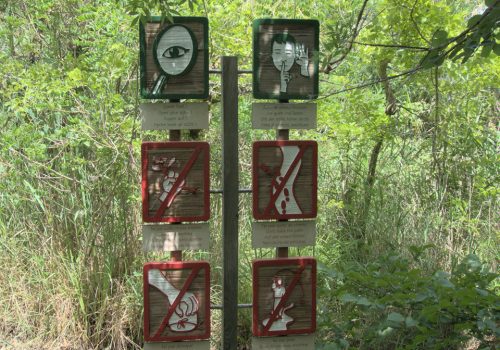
(373, 82)
(416, 25)
(421, 48)
(331, 65)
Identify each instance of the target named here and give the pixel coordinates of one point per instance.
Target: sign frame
(145, 94)
(195, 266)
(255, 180)
(301, 263)
(145, 148)
(257, 93)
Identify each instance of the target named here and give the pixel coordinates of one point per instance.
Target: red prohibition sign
(176, 301)
(284, 296)
(284, 180)
(175, 181)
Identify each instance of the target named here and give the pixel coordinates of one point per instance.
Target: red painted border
(255, 180)
(176, 265)
(145, 147)
(305, 261)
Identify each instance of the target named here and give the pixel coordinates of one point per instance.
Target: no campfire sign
(176, 301)
(175, 181)
(284, 179)
(284, 296)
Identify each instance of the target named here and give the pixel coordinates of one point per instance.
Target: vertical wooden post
(230, 199)
(282, 134)
(175, 135)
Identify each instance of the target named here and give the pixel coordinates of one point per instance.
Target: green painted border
(142, 58)
(256, 63)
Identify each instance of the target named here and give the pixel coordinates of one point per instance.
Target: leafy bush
(389, 304)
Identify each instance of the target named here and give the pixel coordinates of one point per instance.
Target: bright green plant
(391, 304)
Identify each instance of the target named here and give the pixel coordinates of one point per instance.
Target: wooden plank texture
(176, 301)
(175, 181)
(301, 77)
(193, 83)
(284, 177)
(284, 296)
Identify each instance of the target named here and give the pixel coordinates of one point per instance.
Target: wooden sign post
(174, 58)
(284, 175)
(284, 296)
(175, 181)
(285, 59)
(176, 301)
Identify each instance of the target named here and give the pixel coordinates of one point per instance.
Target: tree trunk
(390, 109)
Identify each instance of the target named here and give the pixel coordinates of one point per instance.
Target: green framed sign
(285, 59)
(174, 58)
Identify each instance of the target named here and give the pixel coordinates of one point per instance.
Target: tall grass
(70, 224)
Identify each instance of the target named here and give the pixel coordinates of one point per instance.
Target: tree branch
(420, 48)
(373, 82)
(336, 62)
(416, 25)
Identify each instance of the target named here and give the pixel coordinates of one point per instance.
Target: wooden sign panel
(270, 234)
(290, 342)
(176, 301)
(175, 181)
(169, 238)
(284, 115)
(174, 58)
(284, 296)
(284, 179)
(285, 59)
(184, 345)
(174, 116)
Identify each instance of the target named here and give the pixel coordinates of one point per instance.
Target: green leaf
(410, 322)
(395, 317)
(359, 300)
(496, 49)
(440, 38)
(473, 20)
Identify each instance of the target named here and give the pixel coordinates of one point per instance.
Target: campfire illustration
(185, 316)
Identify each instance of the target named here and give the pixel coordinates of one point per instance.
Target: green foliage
(70, 225)
(391, 304)
(481, 33)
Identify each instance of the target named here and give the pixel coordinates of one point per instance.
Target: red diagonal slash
(284, 298)
(282, 184)
(177, 300)
(182, 176)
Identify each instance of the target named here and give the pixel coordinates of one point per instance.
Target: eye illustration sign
(285, 58)
(175, 181)
(174, 58)
(284, 178)
(284, 296)
(176, 301)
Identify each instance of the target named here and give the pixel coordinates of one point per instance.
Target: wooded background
(408, 119)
